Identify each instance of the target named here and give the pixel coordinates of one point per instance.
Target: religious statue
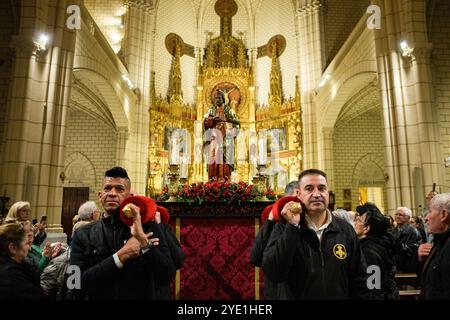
(222, 126)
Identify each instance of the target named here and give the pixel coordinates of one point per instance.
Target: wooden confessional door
(73, 198)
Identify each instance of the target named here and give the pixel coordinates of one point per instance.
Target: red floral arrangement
(219, 191)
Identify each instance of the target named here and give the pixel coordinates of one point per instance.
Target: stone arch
(360, 102)
(344, 92)
(79, 171)
(353, 68)
(108, 94)
(369, 171)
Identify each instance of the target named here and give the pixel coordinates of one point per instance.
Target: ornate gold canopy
(226, 64)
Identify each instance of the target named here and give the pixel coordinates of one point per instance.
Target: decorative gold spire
(297, 91)
(275, 77)
(226, 9)
(199, 67)
(175, 77)
(152, 90)
(226, 51)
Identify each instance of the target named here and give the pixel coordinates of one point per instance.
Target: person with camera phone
(39, 231)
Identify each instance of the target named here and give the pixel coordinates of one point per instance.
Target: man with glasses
(407, 241)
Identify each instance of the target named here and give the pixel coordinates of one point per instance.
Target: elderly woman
(38, 257)
(18, 279)
(19, 211)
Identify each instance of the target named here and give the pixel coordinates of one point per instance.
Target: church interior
(357, 88)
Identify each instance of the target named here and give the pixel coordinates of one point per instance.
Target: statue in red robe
(222, 126)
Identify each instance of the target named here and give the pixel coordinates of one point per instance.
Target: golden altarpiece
(227, 65)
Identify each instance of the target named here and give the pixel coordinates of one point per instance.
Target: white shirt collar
(319, 231)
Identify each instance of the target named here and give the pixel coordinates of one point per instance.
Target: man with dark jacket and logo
(436, 270)
(117, 261)
(318, 255)
(377, 244)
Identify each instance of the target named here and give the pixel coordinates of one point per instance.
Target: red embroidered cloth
(217, 264)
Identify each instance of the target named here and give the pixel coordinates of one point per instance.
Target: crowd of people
(115, 261)
(320, 254)
(315, 254)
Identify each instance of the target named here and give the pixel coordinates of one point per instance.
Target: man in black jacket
(272, 291)
(436, 270)
(176, 253)
(116, 261)
(406, 240)
(317, 254)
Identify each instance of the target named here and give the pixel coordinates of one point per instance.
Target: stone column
(137, 55)
(36, 119)
(412, 150)
(122, 138)
(311, 65)
(326, 158)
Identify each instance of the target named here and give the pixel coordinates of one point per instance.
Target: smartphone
(43, 219)
(434, 187)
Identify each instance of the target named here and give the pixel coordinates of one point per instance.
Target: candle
(174, 152)
(262, 149)
(183, 170)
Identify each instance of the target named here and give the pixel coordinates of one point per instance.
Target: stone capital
(418, 52)
(24, 45)
(423, 51)
(145, 5)
(308, 6)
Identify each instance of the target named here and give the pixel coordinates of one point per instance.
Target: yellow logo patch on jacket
(339, 251)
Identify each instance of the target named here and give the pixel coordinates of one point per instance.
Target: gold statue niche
(225, 65)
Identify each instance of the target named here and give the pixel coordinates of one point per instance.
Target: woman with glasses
(377, 244)
(18, 279)
(19, 211)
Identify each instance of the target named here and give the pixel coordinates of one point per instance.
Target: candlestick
(260, 182)
(174, 184)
